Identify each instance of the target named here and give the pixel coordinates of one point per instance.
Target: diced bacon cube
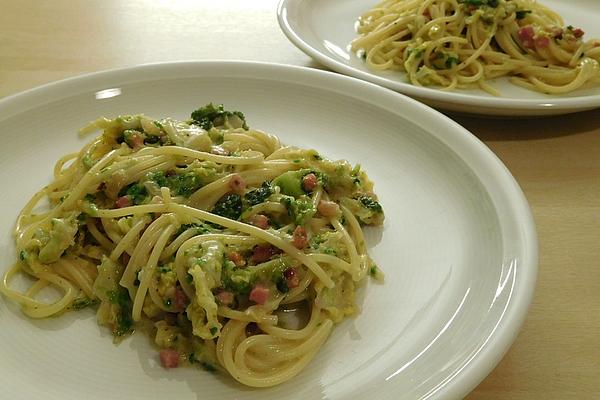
(225, 298)
(137, 141)
(263, 252)
(259, 294)
(299, 238)
(260, 221)
(309, 182)
(542, 41)
(169, 358)
(526, 34)
(328, 208)
(181, 300)
(123, 201)
(291, 277)
(237, 183)
(236, 258)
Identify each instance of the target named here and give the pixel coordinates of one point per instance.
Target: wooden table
(556, 160)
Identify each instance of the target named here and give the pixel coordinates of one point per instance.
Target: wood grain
(556, 160)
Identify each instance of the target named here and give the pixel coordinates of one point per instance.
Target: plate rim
(507, 327)
(481, 104)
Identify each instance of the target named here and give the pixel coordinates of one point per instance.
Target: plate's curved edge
(454, 101)
(496, 345)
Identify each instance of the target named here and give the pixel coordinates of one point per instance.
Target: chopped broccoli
(215, 115)
(120, 298)
(370, 203)
(259, 195)
(299, 209)
(136, 191)
(183, 184)
(200, 228)
(229, 206)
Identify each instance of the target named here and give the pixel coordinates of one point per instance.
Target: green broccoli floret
(370, 204)
(299, 209)
(229, 206)
(259, 195)
(120, 298)
(136, 191)
(183, 184)
(215, 115)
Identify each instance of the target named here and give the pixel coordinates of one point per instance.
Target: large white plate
(458, 246)
(323, 29)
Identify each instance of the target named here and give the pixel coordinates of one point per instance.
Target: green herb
(23, 254)
(520, 14)
(167, 302)
(213, 330)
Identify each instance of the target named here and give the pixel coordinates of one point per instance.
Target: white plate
(458, 246)
(323, 29)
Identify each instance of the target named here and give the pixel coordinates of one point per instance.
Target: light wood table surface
(556, 160)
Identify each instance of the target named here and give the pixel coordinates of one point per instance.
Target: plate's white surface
(458, 246)
(323, 29)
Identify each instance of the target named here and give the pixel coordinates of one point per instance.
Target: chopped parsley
(215, 115)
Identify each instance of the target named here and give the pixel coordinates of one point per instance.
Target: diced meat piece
(309, 182)
(225, 298)
(236, 258)
(299, 238)
(137, 141)
(260, 221)
(578, 32)
(170, 318)
(180, 299)
(123, 201)
(526, 34)
(542, 41)
(263, 252)
(292, 279)
(556, 32)
(427, 13)
(259, 294)
(328, 208)
(169, 358)
(237, 183)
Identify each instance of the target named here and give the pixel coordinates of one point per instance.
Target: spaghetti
(204, 232)
(463, 43)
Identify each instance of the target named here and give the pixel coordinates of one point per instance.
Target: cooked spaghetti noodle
(463, 43)
(205, 232)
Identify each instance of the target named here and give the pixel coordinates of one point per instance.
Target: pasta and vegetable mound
(462, 43)
(204, 233)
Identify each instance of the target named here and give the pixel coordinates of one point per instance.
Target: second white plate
(323, 29)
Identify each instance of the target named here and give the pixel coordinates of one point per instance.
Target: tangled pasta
(205, 232)
(463, 43)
